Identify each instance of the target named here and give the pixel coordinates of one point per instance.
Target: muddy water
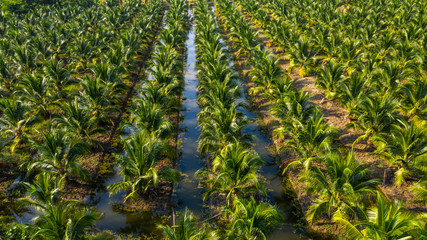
(277, 191)
(187, 194)
(124, 222)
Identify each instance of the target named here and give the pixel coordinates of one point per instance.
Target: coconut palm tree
(78, 120)
(353, 92)
(384, 221)
(97, 97)
(186, 229)
(405, 147)
(139, 171)
(234, 173)
(151, 118)
(309, 141)
(221, 126)
(57, 219)
(35, 90)
(378, 116)
(58, 153)
(329, 78)
(343, 186)
(414, 97)
(293, 108)
(250, 220)
(15, 120)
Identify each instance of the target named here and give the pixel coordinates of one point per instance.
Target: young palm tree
(97, 97)
(330, 77)
(293, 109)
(151, 118)
(384, 221)
(58, 74)
(15, 120)
(109, 75)
(406, 147)
(250, 220)
(45, 190)
(244, 37)
(7, 75)
(78, 120)
(343, 186)
(388, 78)
(265, 72)
(82, 51)
(221, 126)
(353, 92)
(186, 229)
(57, 219)
(420, 190)
(309, 141)
(166, 68)
(64, 221)
(139, 172)
(58, 154)
(303, 55)
(234, 173)
(216, 92)
(26, 58)
(377, 117)
(35, 90)
(414, 97)
(158, 95)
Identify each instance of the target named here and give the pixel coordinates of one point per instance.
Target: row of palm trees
(51, 89)
(342, 186)
(54, 104)
(380, 79)
(150, 119)
(232, 172)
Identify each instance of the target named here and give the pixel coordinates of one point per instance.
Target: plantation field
(244, 119)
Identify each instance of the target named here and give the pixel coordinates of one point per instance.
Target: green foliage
(58, 154)
(406, 148)
(343, 187)
(139, 172)
(57, 218)
(187, 228)
(384, 221)
(234, 173)
(250, 220)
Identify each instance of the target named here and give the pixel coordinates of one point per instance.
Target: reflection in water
(187, 193)
(116, 219)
